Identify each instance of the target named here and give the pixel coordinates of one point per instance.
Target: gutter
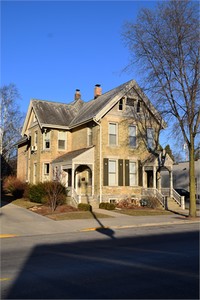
(100, 159)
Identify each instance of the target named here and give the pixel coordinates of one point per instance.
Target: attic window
(138, 108)
(121, 104)
(130, 101)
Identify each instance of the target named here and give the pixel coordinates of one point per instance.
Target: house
(181, 177)
(102, 150)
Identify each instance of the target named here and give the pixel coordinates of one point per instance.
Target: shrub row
(107, 205)
(84, 207)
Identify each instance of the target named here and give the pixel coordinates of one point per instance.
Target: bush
(84, 207)
(150, 202)
(128, 203)
(55, 194)
(13, 185)
(52, 193)
(37, 193)
(107, 205)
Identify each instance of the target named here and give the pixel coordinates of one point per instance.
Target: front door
(149, 179)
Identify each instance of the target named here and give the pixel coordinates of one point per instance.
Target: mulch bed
(46, 210)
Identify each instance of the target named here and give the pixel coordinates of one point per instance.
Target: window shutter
(105, 171)
(126, 172)
(120, 172)
(140, 183)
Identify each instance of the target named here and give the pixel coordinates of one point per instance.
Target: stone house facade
(102, 150)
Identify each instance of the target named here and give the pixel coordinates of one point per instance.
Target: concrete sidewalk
(16, 221)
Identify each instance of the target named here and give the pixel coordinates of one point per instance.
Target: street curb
(139, 225)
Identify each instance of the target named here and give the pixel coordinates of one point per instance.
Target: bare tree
(164, 43)
(10, 123)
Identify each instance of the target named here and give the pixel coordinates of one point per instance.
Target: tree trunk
(192, 207)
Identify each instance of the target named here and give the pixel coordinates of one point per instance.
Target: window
(132, 173)
(121, 104)
(112, 172)
(112, 134)
(89, 137)
(61, 140)
(132, 136)
(150, 138)
(46, 168)
(46, 140)
(34, 172)
(35, 138)
(138, 106)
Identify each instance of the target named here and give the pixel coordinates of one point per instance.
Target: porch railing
(154, 193)
(180, 200)
(75, 196)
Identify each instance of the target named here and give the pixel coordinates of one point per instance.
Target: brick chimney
(97, 91)
(77, 95)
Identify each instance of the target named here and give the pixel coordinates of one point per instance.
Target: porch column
(171, 183)
(154, 177)
(72, 179)
(143, 178)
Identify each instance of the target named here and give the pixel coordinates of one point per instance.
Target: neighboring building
(181, 177)
(102, 150)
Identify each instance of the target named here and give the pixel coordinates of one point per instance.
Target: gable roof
(66, 116)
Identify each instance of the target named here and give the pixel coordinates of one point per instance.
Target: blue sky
(51, 48)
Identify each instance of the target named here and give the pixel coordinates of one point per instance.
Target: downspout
(100, 160)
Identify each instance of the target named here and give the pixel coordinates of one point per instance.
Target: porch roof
(70, 155)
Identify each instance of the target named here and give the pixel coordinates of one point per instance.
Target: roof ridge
(51, 102)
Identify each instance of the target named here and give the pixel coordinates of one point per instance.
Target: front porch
(75, 170)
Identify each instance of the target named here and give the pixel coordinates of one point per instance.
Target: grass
(25, 203)
(76, 215)
(143, 212)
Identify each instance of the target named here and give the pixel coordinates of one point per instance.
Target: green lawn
(77, 215)
(143, 212)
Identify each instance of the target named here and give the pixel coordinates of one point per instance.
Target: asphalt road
(135, 263)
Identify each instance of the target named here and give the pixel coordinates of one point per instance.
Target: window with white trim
(46, 140)
(46, 169)
(34, 172)
(62, 137)
(112, 172)
(132, 173)
(89, 136)
(138, 108)
(150, 138)
(113, 134)
(132, 136)
(35, 138)
(121, 104)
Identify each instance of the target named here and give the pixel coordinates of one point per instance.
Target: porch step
(172, 205)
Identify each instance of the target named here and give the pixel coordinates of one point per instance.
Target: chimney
(77, 95)
(97, 91)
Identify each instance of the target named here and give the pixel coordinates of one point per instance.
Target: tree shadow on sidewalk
(102, 229)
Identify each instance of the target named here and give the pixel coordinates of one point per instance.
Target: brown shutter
(120, 172)
(126, 172)
(105, 171)
(140, 183)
